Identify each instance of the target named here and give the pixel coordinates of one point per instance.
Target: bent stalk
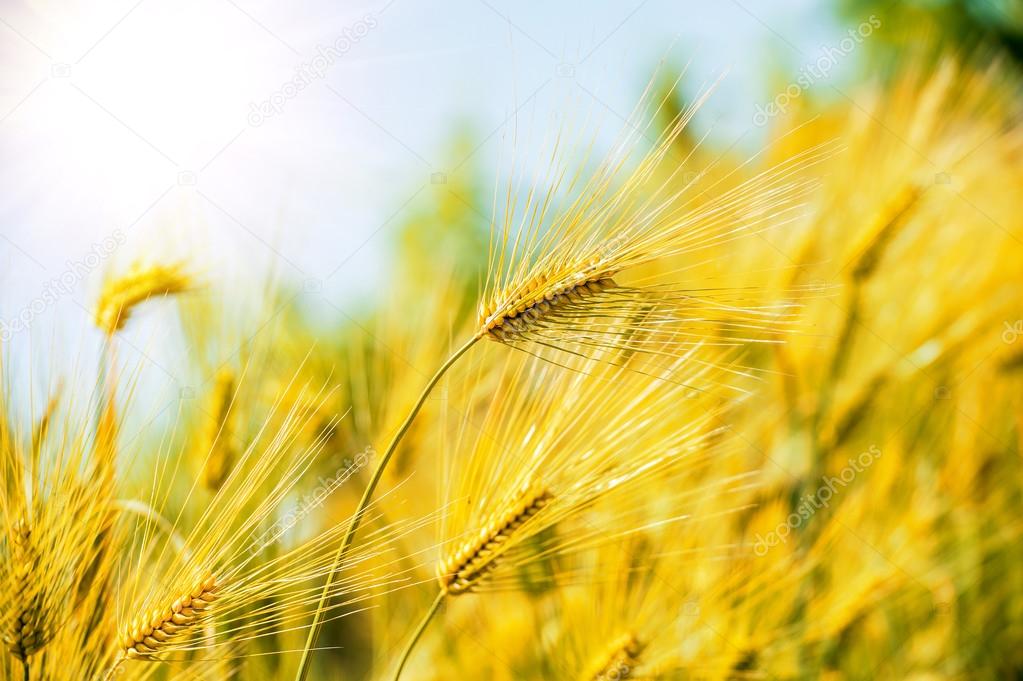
(367, 495)
(419, 632)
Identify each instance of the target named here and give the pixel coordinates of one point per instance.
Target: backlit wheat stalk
(526, 469)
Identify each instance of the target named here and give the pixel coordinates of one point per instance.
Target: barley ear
(25, 631)
(463, 570)
(150, 633)
(121, 295)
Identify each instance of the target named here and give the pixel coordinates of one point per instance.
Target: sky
(255, 137)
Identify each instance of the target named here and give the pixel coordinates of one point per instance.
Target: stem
(360, 511)
(110, 672)
(26, 673)
(419, 632)
(105, 361)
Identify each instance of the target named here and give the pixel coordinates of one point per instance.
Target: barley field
(687, 389)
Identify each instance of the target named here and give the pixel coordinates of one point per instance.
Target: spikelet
(572, 280)
(146, 636)
(884, 228)
(120, 295)
(26, 629)
(42, 425)
(463, 569)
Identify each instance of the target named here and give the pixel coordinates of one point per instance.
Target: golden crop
(740, 420)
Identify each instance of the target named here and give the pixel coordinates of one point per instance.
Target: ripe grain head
(566, 269)
(120, 295)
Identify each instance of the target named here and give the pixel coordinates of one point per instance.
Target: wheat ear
(147, 634)
(367, 495)
(532, 302)
(121, 295)
(462, 570)
(25, 633)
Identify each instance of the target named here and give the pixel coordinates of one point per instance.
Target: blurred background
(303, 139)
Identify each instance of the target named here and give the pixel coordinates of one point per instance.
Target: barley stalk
(367, 495)
(407, 652)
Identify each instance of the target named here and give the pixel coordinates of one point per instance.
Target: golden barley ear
(26, 630)
(149, 633)
(462, 570)
(643, 328)
(604, 275)
(120, 295)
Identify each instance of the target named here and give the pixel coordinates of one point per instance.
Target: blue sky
(134, 121)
